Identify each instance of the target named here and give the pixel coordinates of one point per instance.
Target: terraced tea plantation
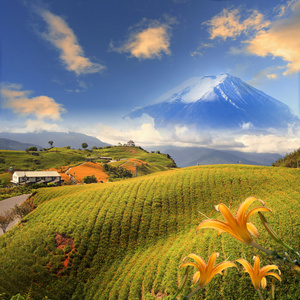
(125, 240)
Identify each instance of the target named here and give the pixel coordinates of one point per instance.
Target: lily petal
(264, 283)
(264, 270)
(219, 268)
(220, 226)
(255, 210)
(274, 275)
(241, 212)
(252, 229)
(196, 277)
(189, 264)
(199, 260)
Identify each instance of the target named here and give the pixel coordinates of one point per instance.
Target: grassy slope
(54, 158)
(58, 157)
(130, 236)
(290, 160)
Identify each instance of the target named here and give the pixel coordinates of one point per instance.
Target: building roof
(37, 173)
(131, 141)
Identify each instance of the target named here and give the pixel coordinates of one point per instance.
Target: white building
(31, 177)
(131, 143)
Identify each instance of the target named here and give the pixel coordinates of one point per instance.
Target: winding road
(9, 203)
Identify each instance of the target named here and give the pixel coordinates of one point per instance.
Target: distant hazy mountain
(191, 156)
(60, 139)
(218, 102)
(7, 144)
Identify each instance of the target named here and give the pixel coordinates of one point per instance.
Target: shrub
(90, 179)
(32, 149)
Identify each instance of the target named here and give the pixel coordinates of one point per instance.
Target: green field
(131, 236)
(58, 157)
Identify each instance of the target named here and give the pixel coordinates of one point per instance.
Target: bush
(32, 149)
(90, 179)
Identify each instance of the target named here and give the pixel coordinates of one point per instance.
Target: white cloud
(148, 40)
(39, 125)
(61, 36)
(143, 132)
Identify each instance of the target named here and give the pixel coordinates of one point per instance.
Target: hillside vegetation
(61, 159)
(126, 239)
(291, 160)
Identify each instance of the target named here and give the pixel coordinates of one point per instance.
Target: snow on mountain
(216, 102)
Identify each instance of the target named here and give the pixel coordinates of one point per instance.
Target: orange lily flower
(257, 275)
(238, 225)
(205, 271)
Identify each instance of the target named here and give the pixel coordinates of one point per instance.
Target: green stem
(259, 247)
(192, 293)
(289, 248)
(259, 294)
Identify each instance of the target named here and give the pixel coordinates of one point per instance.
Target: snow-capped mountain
(218, 102)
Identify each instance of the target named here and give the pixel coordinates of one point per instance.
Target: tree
(84, 145)
(90, 179)
(50, 143)
(32, 149)
(5, 220)
(22, 210)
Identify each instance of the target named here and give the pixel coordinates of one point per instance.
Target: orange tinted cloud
(280, 40)
(63, 38)
(228, 24)
(42, 107)
(148, 43)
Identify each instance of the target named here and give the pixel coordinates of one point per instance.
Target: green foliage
(5, 219)
(22, 210)
(32, 149)
(114, 172)
(90, 179)
(131, 236)
(52, 158)
(291, 160)
(84, 145)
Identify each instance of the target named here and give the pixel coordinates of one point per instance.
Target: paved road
(9, 203)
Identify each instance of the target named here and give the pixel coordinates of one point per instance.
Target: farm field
(126, 239)
(86, 169)
(60, 159)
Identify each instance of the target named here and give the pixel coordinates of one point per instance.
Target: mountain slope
(60, 139)
(218, 102)
(191, 156)
(7, 144)
(125, 240)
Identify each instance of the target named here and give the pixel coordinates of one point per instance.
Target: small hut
(131, 144)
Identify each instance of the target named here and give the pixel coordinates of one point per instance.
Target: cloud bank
(62, 37)
(42, 108)
(143, 132)
(147, 40)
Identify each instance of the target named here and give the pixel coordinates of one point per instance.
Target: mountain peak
(221, 101)
(194, 88)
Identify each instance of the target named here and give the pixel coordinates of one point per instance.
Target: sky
(81, 66)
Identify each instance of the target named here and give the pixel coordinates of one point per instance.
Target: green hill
(291, 160)
(125, 240)
(58, 157)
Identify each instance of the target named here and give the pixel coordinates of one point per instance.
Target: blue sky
(83, 65)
